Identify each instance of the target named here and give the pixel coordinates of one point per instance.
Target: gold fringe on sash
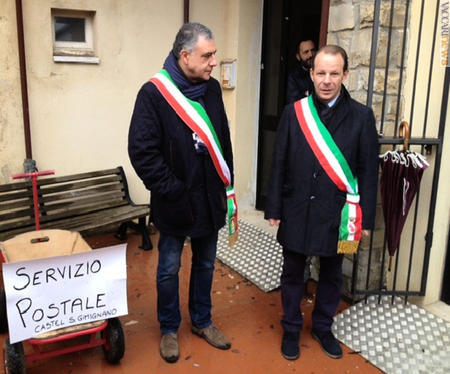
(347, 246)
(233, 238)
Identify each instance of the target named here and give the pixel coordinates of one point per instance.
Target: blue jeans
(170, 248)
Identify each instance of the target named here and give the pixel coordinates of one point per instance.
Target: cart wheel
(3, 318)
(14, 358)
(114, 347)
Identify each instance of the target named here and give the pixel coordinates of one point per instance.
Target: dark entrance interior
(286, 22)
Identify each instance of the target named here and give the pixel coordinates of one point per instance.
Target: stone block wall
(350, 26)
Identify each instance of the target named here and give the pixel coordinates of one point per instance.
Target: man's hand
(365, 232)
(274, 222)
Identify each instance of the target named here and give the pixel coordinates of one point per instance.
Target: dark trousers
(327, 296)
(170, 248)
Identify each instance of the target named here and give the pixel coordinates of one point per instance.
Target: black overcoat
(298, 84)
(187, 195)
(302, 195)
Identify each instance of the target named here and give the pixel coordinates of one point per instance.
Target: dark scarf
(193, 91)
(325, 112)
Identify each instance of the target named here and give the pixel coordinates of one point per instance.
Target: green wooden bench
(79, 202)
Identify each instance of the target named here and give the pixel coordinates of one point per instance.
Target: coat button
(312, 197)
(315, 175)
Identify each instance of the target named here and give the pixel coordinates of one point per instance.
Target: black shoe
(289, 345)
(328, 342)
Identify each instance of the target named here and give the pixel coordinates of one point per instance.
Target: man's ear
(184, 57)
(311, 73)
(345, 75)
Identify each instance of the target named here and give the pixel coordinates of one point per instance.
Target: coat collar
(333, 117)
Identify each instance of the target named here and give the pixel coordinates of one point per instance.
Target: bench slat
(78, 185)
(80, 176)
(16, 214)
(87, 221)
(43, 181)
(58, 216)
(92, 202)
(92, 220)
(81, 193)
(81, 210)
(15, 186)
(95, 202)
(4, 207)
(16, 195)
(13, 224)
(78, 202)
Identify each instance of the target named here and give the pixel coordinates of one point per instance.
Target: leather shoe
(213, 336)
(289, 345)
(328, 342)
(168, 347)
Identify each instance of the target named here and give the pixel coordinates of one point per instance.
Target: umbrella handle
(404, 126)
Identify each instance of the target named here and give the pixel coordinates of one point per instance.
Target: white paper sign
(56, 292)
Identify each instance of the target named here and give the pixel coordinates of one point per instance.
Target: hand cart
(106, 333)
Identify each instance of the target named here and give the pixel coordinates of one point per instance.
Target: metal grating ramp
(398, 338)
(256, 256)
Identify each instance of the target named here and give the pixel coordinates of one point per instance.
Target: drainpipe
(23, 79)
(324, 22)
(186, 11)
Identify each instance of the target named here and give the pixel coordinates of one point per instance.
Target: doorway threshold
(256, 218)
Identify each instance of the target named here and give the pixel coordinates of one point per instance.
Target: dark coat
(188, 197)
(300, 192)
(299, 84)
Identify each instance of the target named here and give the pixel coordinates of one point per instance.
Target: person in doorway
(299, 83)
(325, 161)
(178, 131)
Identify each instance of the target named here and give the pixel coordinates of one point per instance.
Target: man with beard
(299, 83)
(179, 144)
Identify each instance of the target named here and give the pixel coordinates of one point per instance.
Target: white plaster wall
(441, 225)
(80, 113)
(12, 143)
(431, 116)
(237, 25)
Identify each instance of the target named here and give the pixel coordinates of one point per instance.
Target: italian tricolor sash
(335, 165)
(196, 118)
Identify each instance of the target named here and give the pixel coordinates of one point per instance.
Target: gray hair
(187, 37)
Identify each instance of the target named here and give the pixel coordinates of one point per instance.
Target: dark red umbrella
(401, 173)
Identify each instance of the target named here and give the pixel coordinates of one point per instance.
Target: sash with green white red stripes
(335, 165)
(196, 118)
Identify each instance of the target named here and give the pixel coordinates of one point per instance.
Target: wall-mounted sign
(228, 73)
